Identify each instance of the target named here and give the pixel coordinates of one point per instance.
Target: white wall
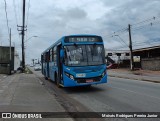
(16, 61)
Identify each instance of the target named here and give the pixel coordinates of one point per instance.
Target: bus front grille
(88, 80)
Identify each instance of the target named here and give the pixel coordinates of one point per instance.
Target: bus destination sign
(83, 39)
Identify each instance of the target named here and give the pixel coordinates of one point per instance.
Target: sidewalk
(2, 76)
(24, 93)
(143, 75)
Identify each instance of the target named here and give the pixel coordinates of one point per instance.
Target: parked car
(31, 65)
(37, 67)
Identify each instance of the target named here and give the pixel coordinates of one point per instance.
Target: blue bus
(75, 60)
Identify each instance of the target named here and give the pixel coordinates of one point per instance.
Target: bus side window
(42, 58)
(51, 55)
(55, 54)
(47, 57)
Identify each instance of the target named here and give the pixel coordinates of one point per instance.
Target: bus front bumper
(83, 82)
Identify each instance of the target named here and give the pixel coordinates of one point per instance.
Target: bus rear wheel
(46, 78)
(56, 81)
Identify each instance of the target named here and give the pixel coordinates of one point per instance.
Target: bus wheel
(56, 81)
(58, 84)
(46, 78)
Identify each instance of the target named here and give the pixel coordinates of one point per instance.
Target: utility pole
(10, 52)
(130, 47)
(23, 26)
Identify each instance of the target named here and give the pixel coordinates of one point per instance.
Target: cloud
(55, 18)
(76, 13)
(130, 12)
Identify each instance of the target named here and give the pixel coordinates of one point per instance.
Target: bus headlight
(69, 75)
(103, 74)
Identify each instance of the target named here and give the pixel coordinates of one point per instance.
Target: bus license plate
(89, 80)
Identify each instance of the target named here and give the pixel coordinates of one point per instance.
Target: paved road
(121, 95)
(118, 95)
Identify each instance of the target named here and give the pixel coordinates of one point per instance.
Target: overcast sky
(52, 19)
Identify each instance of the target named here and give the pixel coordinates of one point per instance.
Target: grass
(28, 71)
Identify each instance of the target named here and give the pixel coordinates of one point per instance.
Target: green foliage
(28, 71)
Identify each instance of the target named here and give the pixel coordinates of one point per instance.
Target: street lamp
(23, 59)
(30, 38)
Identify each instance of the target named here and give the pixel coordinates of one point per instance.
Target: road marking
(135, 92)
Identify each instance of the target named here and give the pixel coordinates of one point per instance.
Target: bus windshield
(84, 55)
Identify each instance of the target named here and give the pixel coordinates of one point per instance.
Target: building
(149, 57)
(6, 66)
(120, 57)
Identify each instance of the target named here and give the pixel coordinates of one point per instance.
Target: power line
(147, 20)
(140, 26)
(144, 21)
(28, 12)
(14, 5)
(6, 16)
(122, 40)
(144, 26)
(19, 9)
(119, 41)
(155, 23)
(138, 44)
(149, 42)
(123, 30)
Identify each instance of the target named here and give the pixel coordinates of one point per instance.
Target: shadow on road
(84, 89)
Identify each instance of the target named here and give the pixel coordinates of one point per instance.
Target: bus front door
(59, 64)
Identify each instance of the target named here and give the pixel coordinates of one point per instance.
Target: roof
(6, 46)
(147, 48)
(62, 39)
(74, 35)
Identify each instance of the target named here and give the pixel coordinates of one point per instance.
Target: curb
(154, 81)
